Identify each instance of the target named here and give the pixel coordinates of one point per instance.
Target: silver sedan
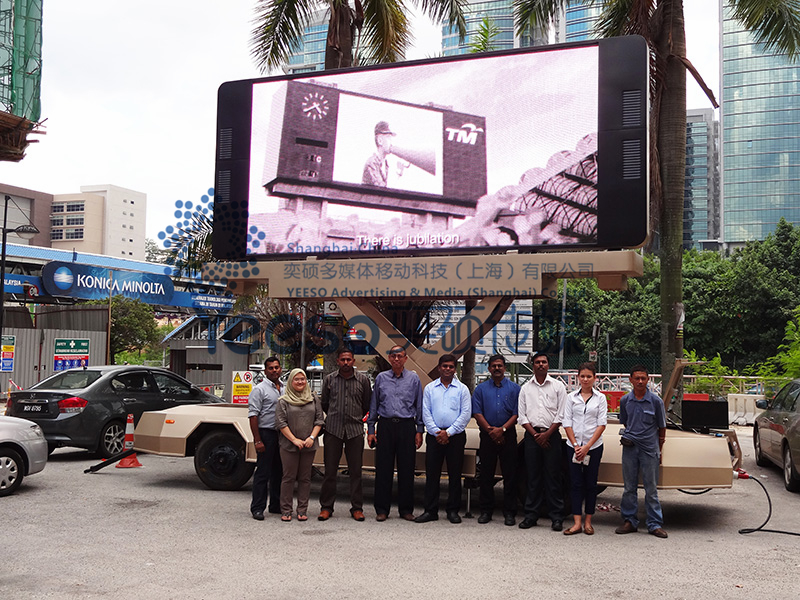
(776, 433)
(23, 452)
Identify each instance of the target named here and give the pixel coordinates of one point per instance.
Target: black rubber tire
(112, 439)
(220, 461)
(790, 478)
(761, 460)
(12, 471)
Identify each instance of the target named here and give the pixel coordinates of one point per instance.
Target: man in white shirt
(542, 402)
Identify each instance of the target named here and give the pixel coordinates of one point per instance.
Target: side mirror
(762, 404)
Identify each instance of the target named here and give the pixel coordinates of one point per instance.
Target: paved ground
(156, 533)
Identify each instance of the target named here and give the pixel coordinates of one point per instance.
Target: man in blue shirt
(396, 406)
(261, 414)
(642, 413)
(494, 406)
(446, 411)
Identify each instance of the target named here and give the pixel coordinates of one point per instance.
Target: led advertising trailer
(527, 149)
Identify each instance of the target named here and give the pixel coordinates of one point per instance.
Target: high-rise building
(501, 15)
(701, 195)
(576, 24)
(102, 219)
(760, 136)
(309, 56)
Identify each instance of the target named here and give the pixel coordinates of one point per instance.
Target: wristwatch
(504, 429)
(312, 438)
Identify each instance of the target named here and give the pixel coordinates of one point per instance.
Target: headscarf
(292, 396)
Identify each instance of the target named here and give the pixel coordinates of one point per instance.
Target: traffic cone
(129, 461)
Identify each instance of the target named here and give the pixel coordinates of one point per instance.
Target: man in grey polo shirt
(261, 414)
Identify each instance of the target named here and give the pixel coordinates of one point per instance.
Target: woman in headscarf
(299, 418)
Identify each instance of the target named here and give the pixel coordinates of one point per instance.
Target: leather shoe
(510, 520)
(527, 523)
(408, 517)
(324, 515)
(426, 517)
(258, 515)
(453, 517)
(557, 526)
(381, 517)
(626, 527)
(485, 518)
(358, 515)
(658, 532)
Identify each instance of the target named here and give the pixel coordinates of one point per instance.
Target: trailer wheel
(220, 461)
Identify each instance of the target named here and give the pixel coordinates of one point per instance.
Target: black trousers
(395, 443)
(435, 455)
(584, 481)
(354, 451)
(489, 453)
(543, 466)
(268, 475)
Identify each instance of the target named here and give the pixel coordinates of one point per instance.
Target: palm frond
(538, 13)
(447, 11)
(625, 17)
(189, 246)
(485, 39)
(278, 31)
(774, 23)
(387, 31)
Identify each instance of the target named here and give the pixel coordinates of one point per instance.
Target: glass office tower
(701, 195)
(760, 137)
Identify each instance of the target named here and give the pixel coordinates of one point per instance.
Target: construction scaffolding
(21, 57)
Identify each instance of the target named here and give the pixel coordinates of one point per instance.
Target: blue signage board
(18, 284)
(96, 283)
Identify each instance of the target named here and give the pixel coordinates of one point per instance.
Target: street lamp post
(24, 231)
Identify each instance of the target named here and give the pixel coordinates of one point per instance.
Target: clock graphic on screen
(315, 106)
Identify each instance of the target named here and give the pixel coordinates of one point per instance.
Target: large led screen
(526, 150)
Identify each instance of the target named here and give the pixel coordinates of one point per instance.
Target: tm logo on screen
(468, 134)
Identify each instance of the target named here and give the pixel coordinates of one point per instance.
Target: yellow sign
(242, 386)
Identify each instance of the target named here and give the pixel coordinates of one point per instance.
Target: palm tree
(775, 23)
(384, 25)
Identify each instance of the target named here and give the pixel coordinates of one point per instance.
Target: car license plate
(32, 408)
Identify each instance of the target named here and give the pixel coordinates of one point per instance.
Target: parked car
(87, 407)
(776, 433)
(23, 452)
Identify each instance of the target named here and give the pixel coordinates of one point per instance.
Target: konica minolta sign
(95, 283)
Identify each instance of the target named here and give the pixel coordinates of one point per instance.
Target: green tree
(762, 291)
(154, 253)
(775, 23)
(133, 324)
(484, 40)
(384, 25)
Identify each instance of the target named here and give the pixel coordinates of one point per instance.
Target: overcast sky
(129, 93)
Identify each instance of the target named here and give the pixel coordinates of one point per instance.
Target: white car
(23, 452)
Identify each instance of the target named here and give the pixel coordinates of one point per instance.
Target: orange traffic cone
(129, 461)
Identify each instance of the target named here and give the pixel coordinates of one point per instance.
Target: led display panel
(531, 149)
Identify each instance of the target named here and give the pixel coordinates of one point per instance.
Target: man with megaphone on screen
(376, 169)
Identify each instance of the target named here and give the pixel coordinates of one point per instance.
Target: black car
(88, 407)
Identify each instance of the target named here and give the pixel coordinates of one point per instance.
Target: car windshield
(69, 380)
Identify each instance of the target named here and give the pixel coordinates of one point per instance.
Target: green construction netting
(21, 57)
